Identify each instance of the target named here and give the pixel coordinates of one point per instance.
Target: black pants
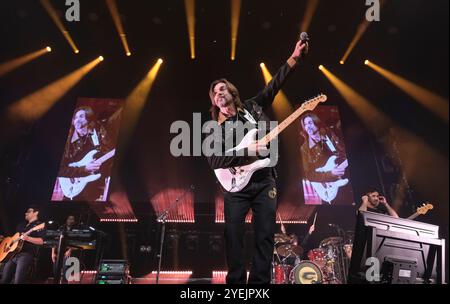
(261, 198)
(18, 268)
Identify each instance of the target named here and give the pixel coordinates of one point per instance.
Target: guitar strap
(249, 117)
(94, 138)
(330, 144)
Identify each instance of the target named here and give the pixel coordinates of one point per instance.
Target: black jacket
(255, 107)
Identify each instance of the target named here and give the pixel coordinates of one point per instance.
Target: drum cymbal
(331, 241)
(287, 250)
(282, 238)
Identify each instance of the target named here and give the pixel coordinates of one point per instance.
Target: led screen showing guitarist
(85, 169)
(325, 165)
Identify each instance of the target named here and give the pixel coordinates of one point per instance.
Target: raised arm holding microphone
(261, 193)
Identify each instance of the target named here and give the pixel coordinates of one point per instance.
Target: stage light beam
(13, 64)
(235, 15)
(281, 105)
(362, 28)
(135, 102)
(54, 16)
(190, 18)
(415, 154)
(311, 8)
(282, 109)
(35, 105)
(431, 101)
(373, 118)
(114, 11)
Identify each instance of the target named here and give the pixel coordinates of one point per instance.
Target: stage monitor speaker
(113, 272)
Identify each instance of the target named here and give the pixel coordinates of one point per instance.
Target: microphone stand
(162, 218)
(59, 264)
(342, 266)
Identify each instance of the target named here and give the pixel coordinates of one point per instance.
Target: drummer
(305, 240)
(293, 240)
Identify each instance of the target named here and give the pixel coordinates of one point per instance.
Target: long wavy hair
(231, 89)
(92, 124)
(317, 122)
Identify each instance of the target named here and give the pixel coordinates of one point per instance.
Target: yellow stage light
(35, 105)
(114, 11)
(415, 154)
(311, 8)
(235, 14)
(13, 64)
(432, 101)
(189, 6)
(282, 108)
(54, 16)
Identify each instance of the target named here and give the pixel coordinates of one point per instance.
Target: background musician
(17, 269)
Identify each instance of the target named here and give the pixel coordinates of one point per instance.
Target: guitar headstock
(313, 103)
(425, 208)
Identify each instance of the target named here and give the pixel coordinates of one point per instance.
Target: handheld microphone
(305, 39)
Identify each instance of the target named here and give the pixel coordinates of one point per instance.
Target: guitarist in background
(18, 268)
(320, 144)
(260, 193)
(86, 135)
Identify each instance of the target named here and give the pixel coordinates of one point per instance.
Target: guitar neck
(106, 156)
(282, 126)
(412, 217)
(25, 233)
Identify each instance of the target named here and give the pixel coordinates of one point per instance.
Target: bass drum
(307, 272)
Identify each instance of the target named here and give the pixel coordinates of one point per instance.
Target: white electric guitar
(71, 187)
(235, 179)
(328, 191)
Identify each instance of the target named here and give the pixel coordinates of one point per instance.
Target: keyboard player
(68, 226)
(372, 201)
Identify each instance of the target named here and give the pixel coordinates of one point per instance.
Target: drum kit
(327, 264)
